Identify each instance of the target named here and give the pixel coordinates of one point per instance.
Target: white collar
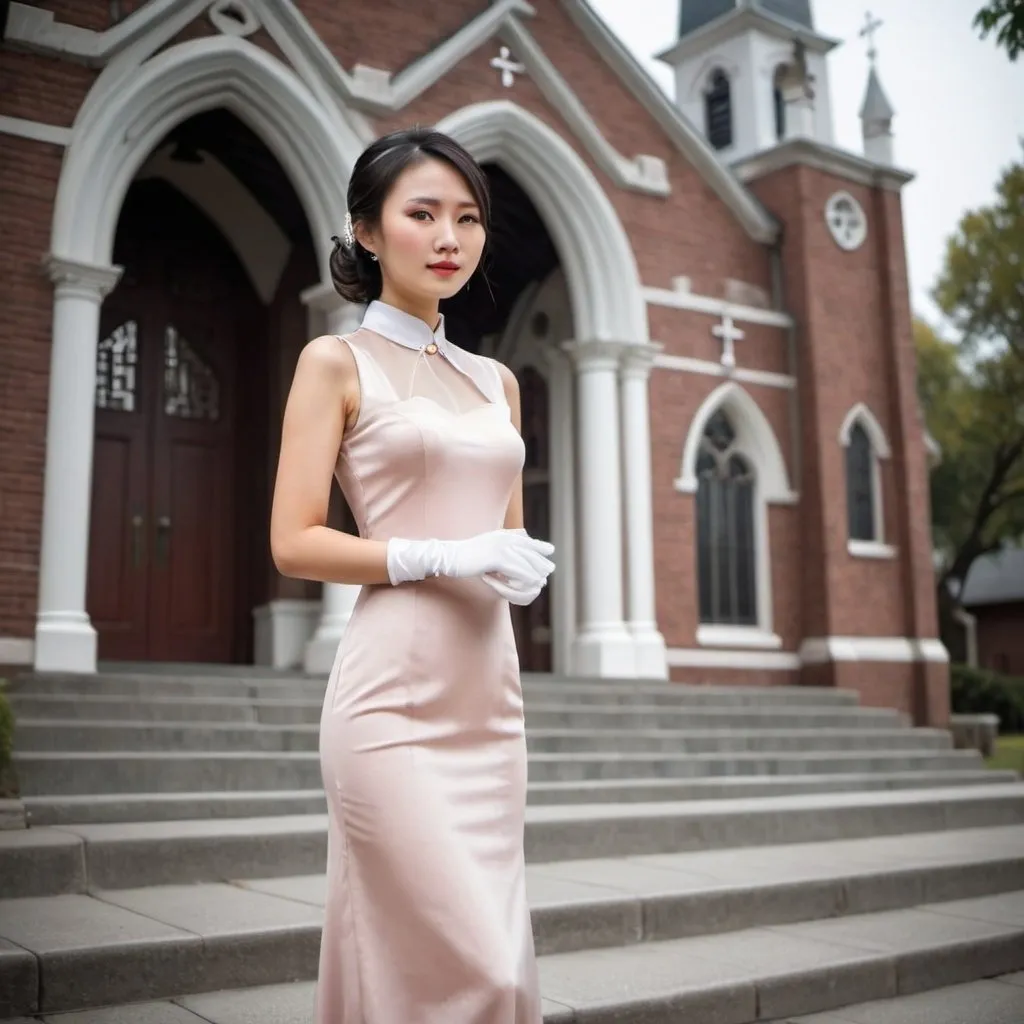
(403, 328)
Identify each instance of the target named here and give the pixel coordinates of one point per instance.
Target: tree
(972, 392)
(1006, 17)
(972, 408)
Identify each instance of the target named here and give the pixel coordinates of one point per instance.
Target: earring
(373, 256)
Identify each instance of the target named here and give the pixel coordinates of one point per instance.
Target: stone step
(810, 927)
(998, 1000)
(77, 773)
(554, 715)
(96, 809)
(32, 734)
(77, 858)
(210, 681)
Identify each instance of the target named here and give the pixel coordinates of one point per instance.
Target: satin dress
(422, 745)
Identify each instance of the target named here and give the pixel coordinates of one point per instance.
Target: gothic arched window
(860, 486)
(718, 110)
(725, 528)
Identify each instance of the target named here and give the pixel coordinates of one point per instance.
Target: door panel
(193, 589)
(117, 574)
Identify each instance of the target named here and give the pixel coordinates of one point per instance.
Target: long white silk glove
(510, 553)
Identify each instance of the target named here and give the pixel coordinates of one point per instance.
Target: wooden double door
(163, 581)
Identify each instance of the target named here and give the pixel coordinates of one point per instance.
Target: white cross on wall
(727, 332)
(507, 66)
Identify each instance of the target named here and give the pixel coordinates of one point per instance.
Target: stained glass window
(726, 571)
(191, 388)
(116, 365)
(860, 490)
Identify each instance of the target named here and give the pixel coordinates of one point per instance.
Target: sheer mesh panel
(459, 384)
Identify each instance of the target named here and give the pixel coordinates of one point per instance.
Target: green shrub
(978, 690)
(7, 787)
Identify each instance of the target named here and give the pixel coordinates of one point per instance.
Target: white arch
(754, 437)
(114, 137)
(861, 414)
(700, 82)
(604, 281)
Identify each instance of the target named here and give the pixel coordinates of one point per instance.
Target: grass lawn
(1009, 753)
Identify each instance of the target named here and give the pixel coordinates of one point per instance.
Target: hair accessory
(349, 235)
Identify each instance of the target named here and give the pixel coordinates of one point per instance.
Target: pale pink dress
(421, 739)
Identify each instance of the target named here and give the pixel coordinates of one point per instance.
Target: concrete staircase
(708, 854)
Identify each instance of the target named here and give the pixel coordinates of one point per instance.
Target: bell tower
(751, 74)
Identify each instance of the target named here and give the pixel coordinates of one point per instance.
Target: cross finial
(507, 66)
(871, 26)
(727, 332)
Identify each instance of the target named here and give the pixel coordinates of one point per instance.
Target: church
(705, 301)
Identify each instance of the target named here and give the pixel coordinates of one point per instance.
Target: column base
(65, 642)
(649, 650)
(604, 654)
(283, 628)
(339, 599)
(318, 659)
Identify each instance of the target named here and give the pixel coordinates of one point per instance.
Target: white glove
(512, 553)
(514, 591)
(521, 594)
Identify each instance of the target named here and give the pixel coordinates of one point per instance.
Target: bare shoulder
(328, 361)
(327, 354)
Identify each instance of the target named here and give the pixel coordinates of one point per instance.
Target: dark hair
(355, 274)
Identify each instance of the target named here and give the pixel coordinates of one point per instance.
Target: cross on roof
(507, 66)
(727, 332)
(871, 26)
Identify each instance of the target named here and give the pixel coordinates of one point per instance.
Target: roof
(876, 106)
(694, 14)
(997, 578)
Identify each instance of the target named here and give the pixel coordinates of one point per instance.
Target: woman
(421, 738)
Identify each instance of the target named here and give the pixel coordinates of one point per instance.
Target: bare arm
(323, 395)
(514, 512)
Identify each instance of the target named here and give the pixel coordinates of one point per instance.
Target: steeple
(695, 14)
(752, 74)
(876, 112)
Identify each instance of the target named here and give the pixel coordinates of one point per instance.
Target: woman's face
(430, 237)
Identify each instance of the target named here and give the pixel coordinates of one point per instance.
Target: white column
(65, 639)
(603, 646)
(648, 643)
(329, 313)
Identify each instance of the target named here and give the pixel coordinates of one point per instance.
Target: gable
(378, 92)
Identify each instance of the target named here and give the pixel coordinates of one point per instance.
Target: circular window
(846, 220)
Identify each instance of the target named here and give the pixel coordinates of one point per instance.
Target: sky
(959, 104)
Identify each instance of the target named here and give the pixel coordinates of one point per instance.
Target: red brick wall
(28, 182)
(853, 340)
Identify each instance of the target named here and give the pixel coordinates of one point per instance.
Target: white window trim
(714, 634)
(876, 547)
(870, 549)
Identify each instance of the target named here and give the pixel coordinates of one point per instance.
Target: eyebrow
(431, 201)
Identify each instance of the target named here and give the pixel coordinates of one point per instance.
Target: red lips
(443, 265)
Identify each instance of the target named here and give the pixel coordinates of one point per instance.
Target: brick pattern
(853, 338)
(28, 183)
